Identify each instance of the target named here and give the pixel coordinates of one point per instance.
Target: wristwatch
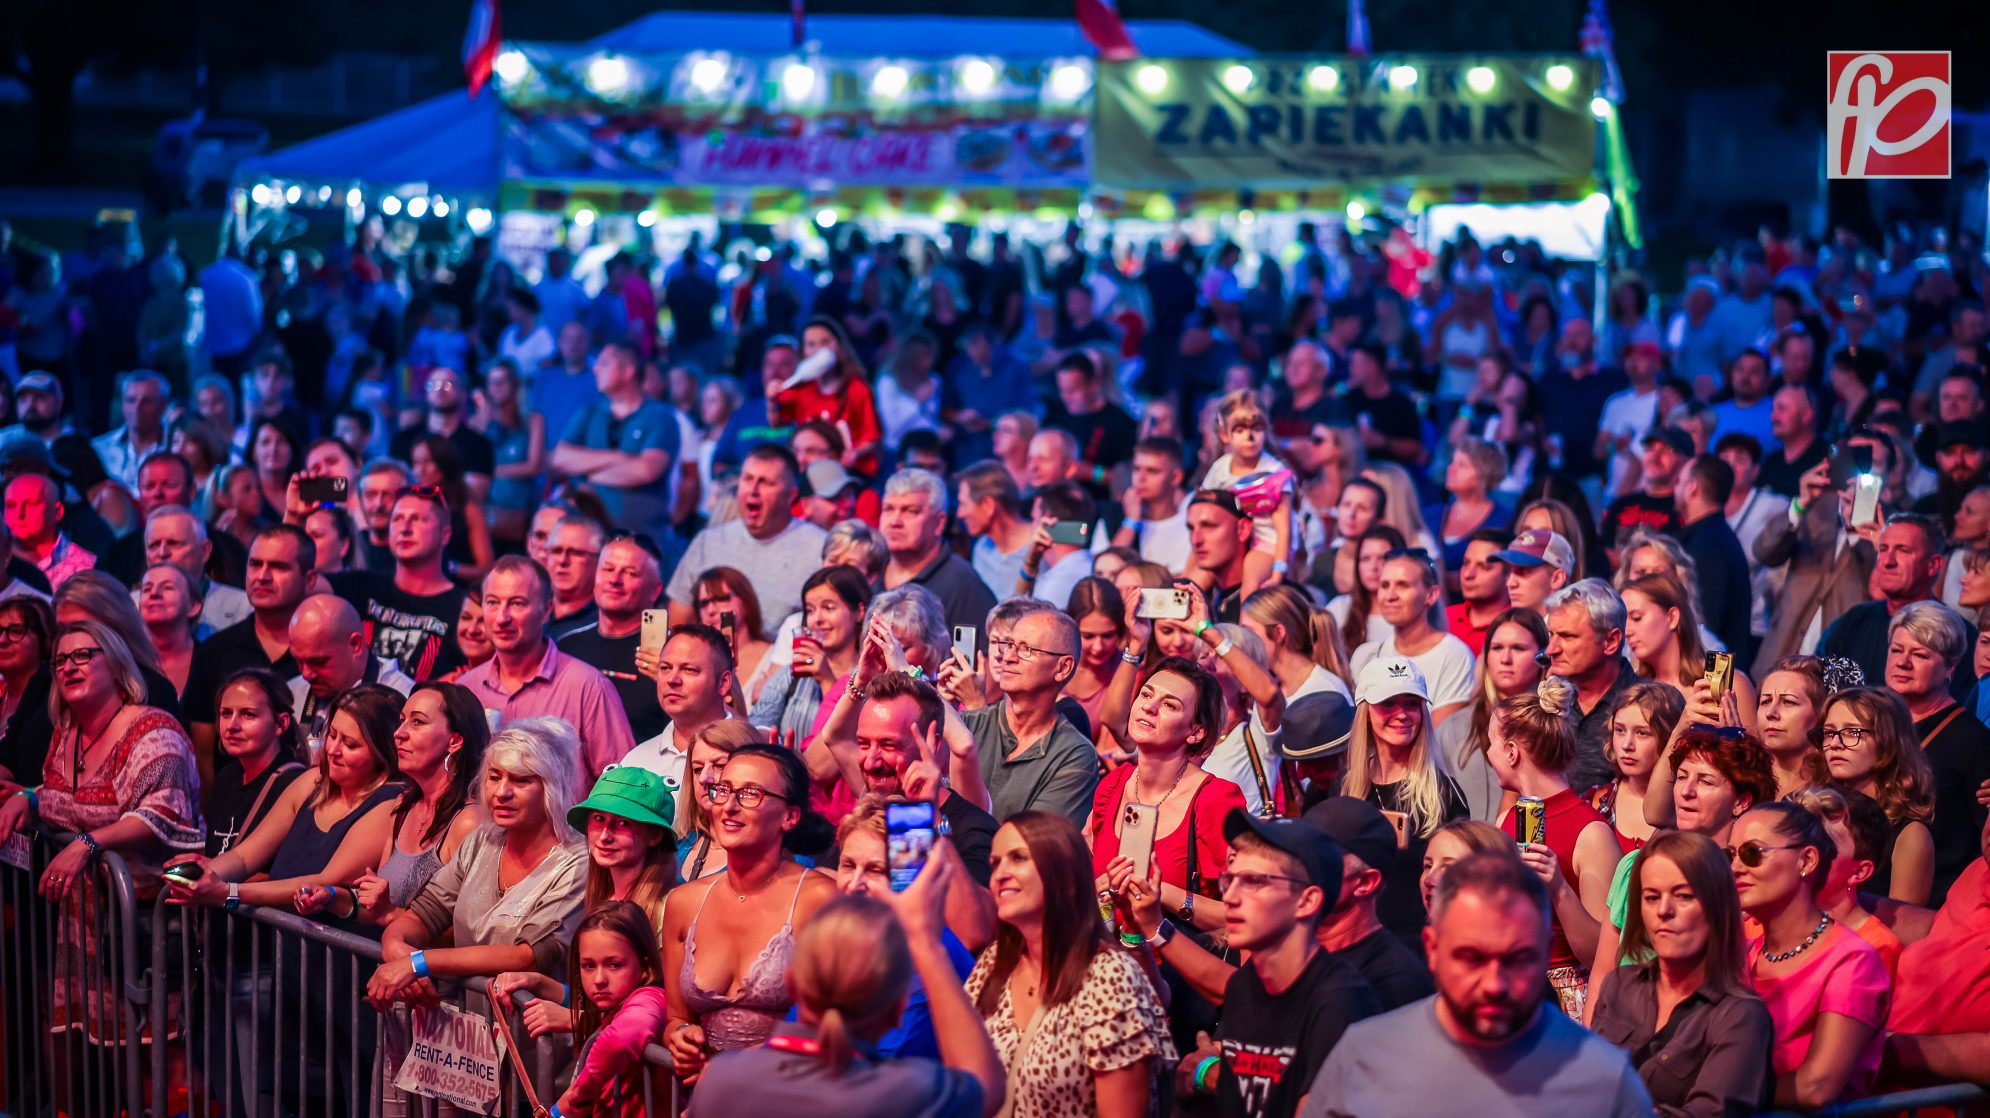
(1187, 911)
(1161, 935)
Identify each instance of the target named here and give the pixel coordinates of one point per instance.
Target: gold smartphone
(1720, 674)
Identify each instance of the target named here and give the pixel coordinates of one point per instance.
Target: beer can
(1532, 817)
(1105, 912)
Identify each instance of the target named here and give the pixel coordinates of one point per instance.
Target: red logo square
(1887, 116)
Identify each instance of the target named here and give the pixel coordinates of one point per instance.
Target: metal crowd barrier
(260, 1014)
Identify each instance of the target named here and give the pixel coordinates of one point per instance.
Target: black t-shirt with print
(1274, 1044)
(416, 631)
(1638, 509)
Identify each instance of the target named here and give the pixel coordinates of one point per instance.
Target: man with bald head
(328, 642)
(34, 518)
(173, 534)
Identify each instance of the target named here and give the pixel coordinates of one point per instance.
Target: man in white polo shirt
(694, 675)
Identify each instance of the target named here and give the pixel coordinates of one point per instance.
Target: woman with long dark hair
(1078, 1026)
(1512, 664)
(721, 592)
(1360, 623)
(835, 603)
(1100, 614)
(438, 463)
(1687, 1016)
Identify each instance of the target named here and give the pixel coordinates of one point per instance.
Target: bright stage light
(390, 205)
(478, 219)
(1600, 106)
(797, 81)
(646, 219)
(1151, 79)
(1356, 211)
(1560, 77)
(607, 75)
(1402, 77)
(977, 75)
(1481, 79)
(511, 67)
(583, 217)
(294, 194)
(417, 207)
(1323, 79)
(440, 208)
(889, 82)
(1069, 81)
(707, 75)
(1238, 78)
(825, 218)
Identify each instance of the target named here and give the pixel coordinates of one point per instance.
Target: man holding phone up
(1287, 1006)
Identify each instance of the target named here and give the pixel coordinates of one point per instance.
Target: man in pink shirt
(528, 676)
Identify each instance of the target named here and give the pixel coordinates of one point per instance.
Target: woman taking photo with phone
(1174, 807)
(1662, 635)
(1826, 989)
(1870, 747)
(732, 993)
(1077, 1024)
(1688, 1018)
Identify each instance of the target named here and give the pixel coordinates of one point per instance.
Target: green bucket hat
(633, 793)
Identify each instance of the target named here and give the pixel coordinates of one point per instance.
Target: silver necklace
(1777, 957)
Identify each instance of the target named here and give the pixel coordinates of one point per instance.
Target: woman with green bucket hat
(630, 820)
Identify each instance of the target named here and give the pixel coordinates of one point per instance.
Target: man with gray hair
(528, 676)
(628, 579)
(1926, 642)
(914, 523)
(571, 554)
(143, 396)
(173, 534)
(1586, 647)
(1033, 758)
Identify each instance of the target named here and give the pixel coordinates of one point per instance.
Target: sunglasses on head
(1724, 733)
(424, 492)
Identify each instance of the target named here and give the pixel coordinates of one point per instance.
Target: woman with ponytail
(1304, 641)
(853, 968)
(1531, 743)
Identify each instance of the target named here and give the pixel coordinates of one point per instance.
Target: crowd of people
(1340, 680)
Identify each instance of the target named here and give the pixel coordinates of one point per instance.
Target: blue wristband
(419, 961)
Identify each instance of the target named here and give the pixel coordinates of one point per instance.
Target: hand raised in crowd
(1198, 602)
(1702, 710)
(1138, 628)
(811, 660)
(922, 779)
(208, 889)
(922, 907)
(1815, 485)
(961, 686)
(1039, 546)
(649, 662)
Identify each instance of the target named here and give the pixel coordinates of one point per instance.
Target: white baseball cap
(1386, 677)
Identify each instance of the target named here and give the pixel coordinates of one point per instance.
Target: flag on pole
(1357, 29)
(1100, 23)
(1600, 42)
(798, 17)
(480, 43)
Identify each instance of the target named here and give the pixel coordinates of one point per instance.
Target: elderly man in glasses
(1406, 598)
(1032, 757)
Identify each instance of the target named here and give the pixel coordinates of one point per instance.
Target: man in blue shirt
(983, 383)
(232, 306)
(1746, 411)
(623, 444)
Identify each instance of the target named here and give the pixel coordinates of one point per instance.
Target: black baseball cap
(1222, 499)
(1359, 827)
(1315, 849)
(1679, 441)
(1959, 433)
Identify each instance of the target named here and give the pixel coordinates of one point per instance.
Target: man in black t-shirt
(1287, 1006)
(448, 406)
(1351, 930)
(1387, 419)
(628, 579)
(411, 614)
(1104, 430)
(1651, 506)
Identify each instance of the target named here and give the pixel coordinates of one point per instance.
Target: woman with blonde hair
(1532, 742)
(1393, 763)
(1401, 510)
(1302, 639)
(1663, 635)
(1870, 747)
(1641, 725)
(1649, 553)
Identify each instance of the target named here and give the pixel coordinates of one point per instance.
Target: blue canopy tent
(449, 144)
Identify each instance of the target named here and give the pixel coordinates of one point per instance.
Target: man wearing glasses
(1286, 1007)
(571, 554)
(448, 405)
(1405, 597)
(1032, 758)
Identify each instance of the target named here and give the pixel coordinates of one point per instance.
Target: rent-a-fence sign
(453, 1057)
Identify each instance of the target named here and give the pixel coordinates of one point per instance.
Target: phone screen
(909, 834)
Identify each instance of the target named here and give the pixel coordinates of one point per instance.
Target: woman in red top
(841, 396)
(1530, 743)
(1174, 723)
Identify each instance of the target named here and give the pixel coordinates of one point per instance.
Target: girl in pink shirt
(619, 1010)
(1826, 988)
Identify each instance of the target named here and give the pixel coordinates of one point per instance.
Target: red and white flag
(480, 43)
(1102, 27)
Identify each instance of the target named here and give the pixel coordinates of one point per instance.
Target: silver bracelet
(1128, 656)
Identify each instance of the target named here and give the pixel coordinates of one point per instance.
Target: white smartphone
(656, 628)
(1165, 604)
(966, 641)
(1865, 499)
(1138, 824)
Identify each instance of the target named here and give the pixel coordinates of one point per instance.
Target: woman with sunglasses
(733, 993)
(1686, 1013)
(1789, 718)
(1531, 743)
(1078, 1025)
(1825, 987)
(1870, 747)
